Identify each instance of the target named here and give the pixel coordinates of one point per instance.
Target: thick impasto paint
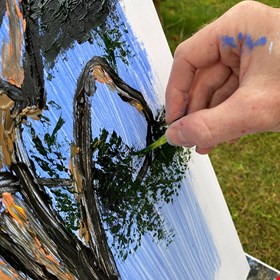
(81, 91)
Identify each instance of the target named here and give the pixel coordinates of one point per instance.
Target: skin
(225, 79)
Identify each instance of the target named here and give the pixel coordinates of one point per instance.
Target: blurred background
(248, 170)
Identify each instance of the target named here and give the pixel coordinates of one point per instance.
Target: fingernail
(169, 135)
(169, 141)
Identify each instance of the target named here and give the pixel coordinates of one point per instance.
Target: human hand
(225, 80)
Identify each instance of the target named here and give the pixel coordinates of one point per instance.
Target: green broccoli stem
(161, 141)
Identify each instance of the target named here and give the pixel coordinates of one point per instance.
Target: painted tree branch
(81, 167)
(98, 69)
(33, 238)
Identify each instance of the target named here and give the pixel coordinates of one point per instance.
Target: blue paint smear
(248, 41)
(260, 42)
(229, 41)
(192, 254)
(240, 36)
(251, 44)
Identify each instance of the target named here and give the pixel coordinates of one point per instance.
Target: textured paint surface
(11, 52)
(7, 134)
(28, 235)
(12, 70)
(151, 259)
(83, 79)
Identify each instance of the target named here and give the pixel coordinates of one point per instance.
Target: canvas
(81, 92)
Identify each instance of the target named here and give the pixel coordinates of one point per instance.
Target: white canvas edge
(208, 192)
(146, 26)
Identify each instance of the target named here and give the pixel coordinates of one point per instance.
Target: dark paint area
(74, 255)
(101, 193)
(126, 200)
(52, 27)
(64, 22)
(2, 10)
(130, 205)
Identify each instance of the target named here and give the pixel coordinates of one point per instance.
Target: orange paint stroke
(11, 52)
(102, 77)
(43, 251)
(5, 276)
(75, 150)
(7, 272)
(14, 210)
(7, 133)
(40, 252)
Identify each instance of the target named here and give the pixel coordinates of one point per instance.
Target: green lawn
(249, 170)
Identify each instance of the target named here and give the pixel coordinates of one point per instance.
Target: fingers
(224, 79)
(206, 82)
(209, 127)
(189, 57)
(211, 86)
(225, 91)
(227, 39)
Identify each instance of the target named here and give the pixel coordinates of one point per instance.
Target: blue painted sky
(192, 254)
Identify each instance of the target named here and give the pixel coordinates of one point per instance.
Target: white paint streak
(270, 47)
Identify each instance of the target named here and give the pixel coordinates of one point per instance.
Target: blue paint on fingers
(240, 36)
(242, 39)
(260, 42)
(251, 44)
(229, 41)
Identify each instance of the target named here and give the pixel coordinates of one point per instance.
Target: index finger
(200, 51)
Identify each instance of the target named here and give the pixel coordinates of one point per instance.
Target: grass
(249, 170)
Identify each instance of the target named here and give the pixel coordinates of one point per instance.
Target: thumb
(209, 127)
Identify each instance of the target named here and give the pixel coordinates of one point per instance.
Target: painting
(81, 93)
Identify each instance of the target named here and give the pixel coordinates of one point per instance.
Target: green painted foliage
(131, 204)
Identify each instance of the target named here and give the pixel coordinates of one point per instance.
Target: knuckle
(240, 11)
(180, 50)
(244, 6)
